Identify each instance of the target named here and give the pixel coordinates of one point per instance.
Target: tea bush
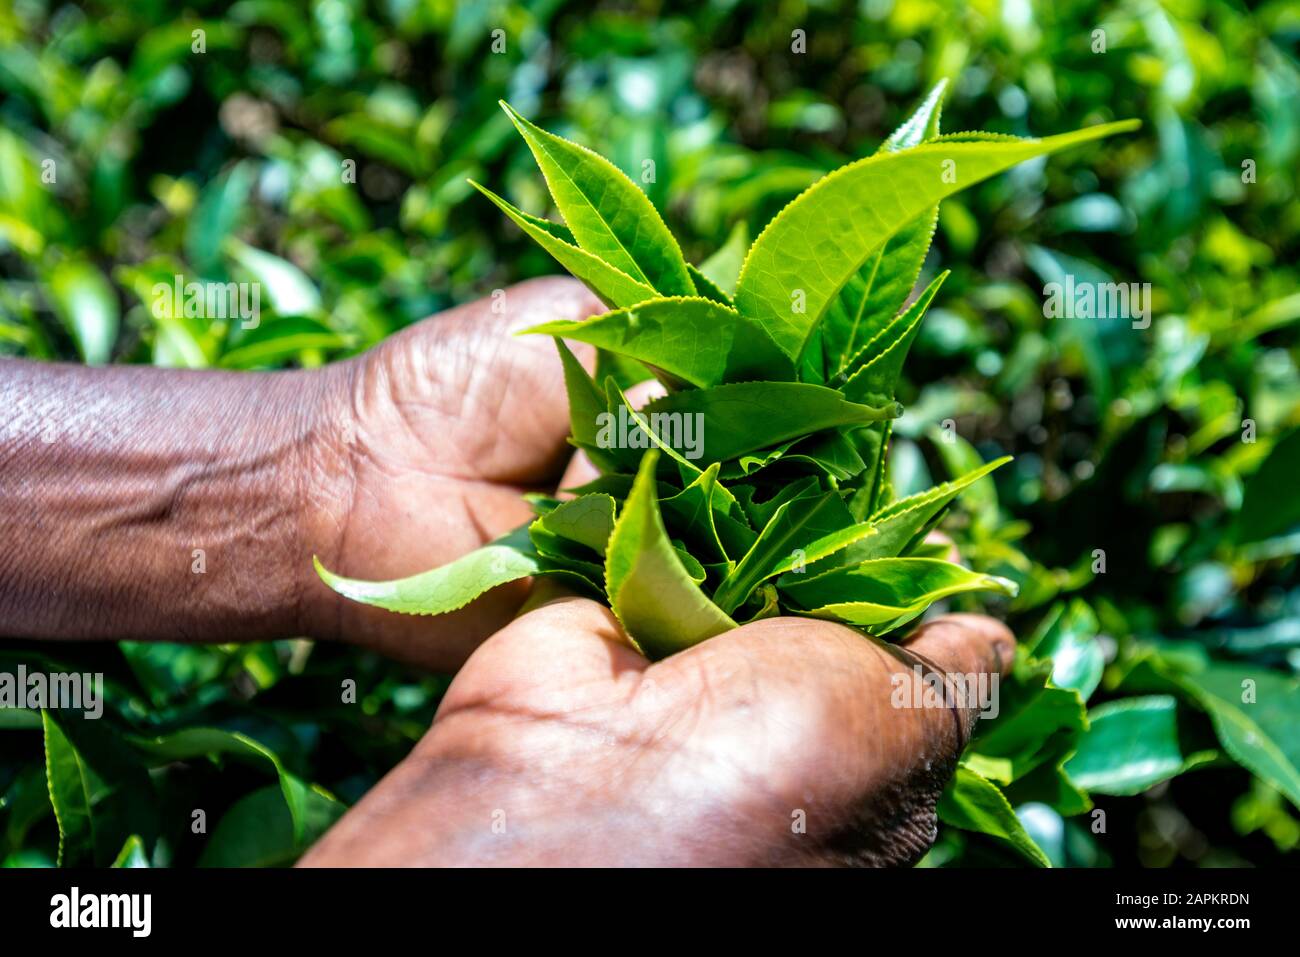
(1148, 517)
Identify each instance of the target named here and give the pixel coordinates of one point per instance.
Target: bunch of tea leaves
(782, 367)
(757, 485)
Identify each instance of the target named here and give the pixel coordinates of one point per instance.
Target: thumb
(965, 656)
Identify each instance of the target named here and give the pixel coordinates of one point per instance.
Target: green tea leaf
(586, 404)
(87, 306)
(100, 794)
(834, 452)
(960, 458)
(939, 494)
(903, 523)
(610, 284)
(697, 341)
(587, 521)
(886, 591)
(74, 789)
(1269, 504)
(713, 519)
(287, 287)
(874, 371)
(26, 800)
(652, 594)
(873, 296)
(707, 288)
(276, 340)
(1049, 784)
(191, 743)
(974, 803)
(1037, 725)
(220, 209)
(746, 465)
(761, 512)
(765, 603)
(748, 416)
(19, 719)
(814, 246)
(1069, 639)
(1131, 745)
(1254, 714)
(675, 439)
(694, 570)
(815, 525)
(449, 586)
(922, 125)
(723, 267)
(694, 512)
(608, 214)
(132, 853)
(872, 444)
(258, 831)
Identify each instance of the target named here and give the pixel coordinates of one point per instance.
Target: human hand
(557, 744)
(427, 442)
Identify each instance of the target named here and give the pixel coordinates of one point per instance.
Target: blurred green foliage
(1150, 515)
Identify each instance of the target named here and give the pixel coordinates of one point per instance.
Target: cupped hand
(779, 742)
(424, 448)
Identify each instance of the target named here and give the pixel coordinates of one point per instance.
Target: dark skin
(385, 465)
(581, 752)
(557, 743)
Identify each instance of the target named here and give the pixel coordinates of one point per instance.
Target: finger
(579, 472)
(841, 722)
(530, 303)
(440, 644)
(969, 653)
(939, 538)
(545, 590)
(965, 644)
(568, 643)
(492, 404)
(644, 392)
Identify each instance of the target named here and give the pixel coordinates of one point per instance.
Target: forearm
(143, 503)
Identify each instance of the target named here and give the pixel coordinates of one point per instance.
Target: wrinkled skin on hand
(425, 445)
(559, 744)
